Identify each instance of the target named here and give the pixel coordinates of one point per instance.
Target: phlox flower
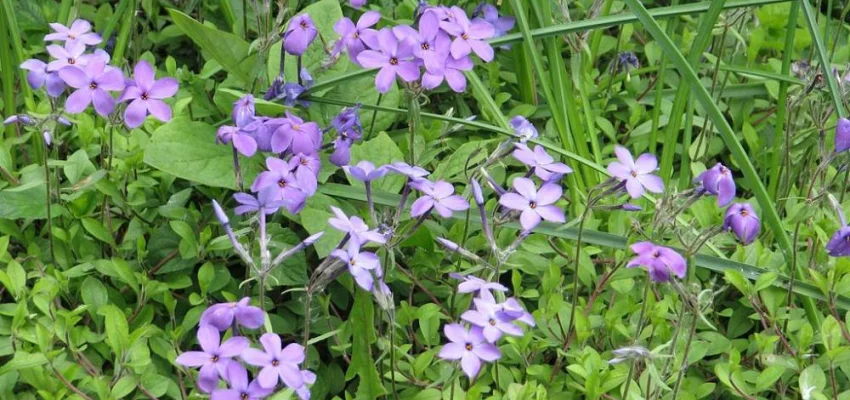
(146, 95)
(659, 260)
(535, 205)
(394, 58)
(215, 357)
(470, 347)
(636, 173)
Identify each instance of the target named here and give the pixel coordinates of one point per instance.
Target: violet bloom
(432, 46)
(360, 264)
(357, 38)
(306, 170)
(299, 34)
(543, 164)
(93, 85)
(243, 141)
(147, 95)
(501, 25)
(266, 200)
(393, 59)
(215, 357)
(839, 244)
(347, 122)
(718, 181)
(240, 388)
(742, 220)
(341, 155)
(69, 56)
(309, 378)
(524, 130)
(357, 3)
(637, 174)
(468, 346)
(515, 311)
(452, 73)
(222, 315)
(438, 196)
(474, 284)
(365, 171)
(243, 111)
(80, 31)
(296, 136)
(489, 317)
(38, 76)
(277, 362)
(354, 227)
(534, 204)
(469, 35)
(659, 260)
(412, 172)
(842, 135)
(280, 180)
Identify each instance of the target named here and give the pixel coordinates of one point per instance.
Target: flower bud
(742, 220)
(219, 213)
(842, 135)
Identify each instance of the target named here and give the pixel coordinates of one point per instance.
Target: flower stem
(47, 200)
(414, 120)
(374, 116)
(684, 365)
(371, 203)
(237, 170)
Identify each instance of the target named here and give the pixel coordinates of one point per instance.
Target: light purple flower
(468, 346)
(147, 95)
(842, 135)
(839, 243)
(438, 196)
(242, 140)
(277, 363)
(431, 45)
(18, 118)
(524, 130)
(355, 227)
(80, 31)
(222, 315)
(266, 200)
(38, 76)
(534, 204)
(474, 284)
(718, 181)
(489, 317)
(297, 136)
(393, 59)
(240, 388)
(93, 85)
(360, 264)
(306, 170)
(365, 171)
(309, 378)
(341, 155)
(299, 34)
(637, 174)
(357, 3)
(469, 35)
(347, 122)
(514, 310)
(543, 164)
(659, 260)
(215, 357)
(501, 25)
(412, 172)
(357, 38)
(281, 180)
(72, 54)
(452, 73)
(742, 220)
(243, 111)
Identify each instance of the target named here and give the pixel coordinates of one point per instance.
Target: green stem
(782, 106)
(684, 365)
(374, 115)
(414, 122)
(643, 308)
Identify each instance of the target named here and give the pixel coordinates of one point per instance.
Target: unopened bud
(48, 139)
(219, 213)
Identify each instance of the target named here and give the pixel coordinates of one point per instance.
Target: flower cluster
(487, 321)
(93, 79)
(220, 361)
(441, 42)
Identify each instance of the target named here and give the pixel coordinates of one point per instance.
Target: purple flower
(365, 171)
(469, 35)
(280, 180)
(299, 34)
(637, 174)
(839, 244)
(412, 172)
(393, 59)
(93, 85)
(70, 55)
(468, 346)
(357, 38)
(277, 363)
(543, 164)
(842, 135)
(718, 181)
(742, 220)
(243, 111)
(147, 95)
(215, 357)
(306, 170)
(452, 73)
(347, 122)
(266, 200)
(489, 317)
(360, 264)
(355, 227)
(501, 25)
(659, 260)
(221, 315)
(341, 155)
(474, 284)
(357, 3)
(296, 136)
(240, 388)
(38, 76)
(438, 196)
(80, 31)
(514, 310)
(524, 130)
(24, 119)
(242, 140)
(534, 204)
(309, 378)
(431, 45)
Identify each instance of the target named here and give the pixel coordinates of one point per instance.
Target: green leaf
(98, 231)
(17, 278)
(380, 150)
(188, 150)
(811, 380)
(94, 293)
(206, 274)
(124, 387)
(23, 360)
(226, 48)
(359, 89)
(765, 280)
(325, 14)
(24, 201)
(117, 330)
(362, 364)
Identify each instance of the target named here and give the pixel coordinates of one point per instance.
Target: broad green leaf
(94, 293)
(812, 380)
(98, 231)
(24, 201)
(23, 360)
(117, 330)
(231, 51)
(362, 364)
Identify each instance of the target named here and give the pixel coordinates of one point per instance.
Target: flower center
(532, 205)
(296, 127)
(356, 35)
(465, 36)
(304, 25)
(634, 174)
(72, 61)
(71, 36)
(656, 254)
(393, 61)
(144, 96)
(304, 162)
(744, 213)
(469, 347)
(244, 396)
(426, 46)
(275, 363)
(492, 322)
(281, 183)
(214, 359)
(93, 85)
